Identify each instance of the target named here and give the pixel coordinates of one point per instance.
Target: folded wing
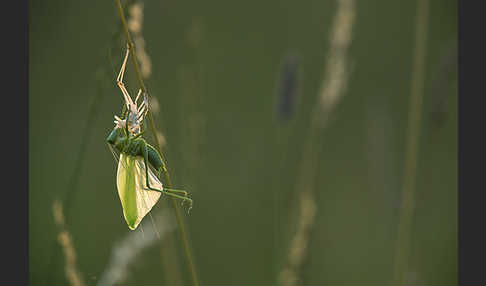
(136, 199)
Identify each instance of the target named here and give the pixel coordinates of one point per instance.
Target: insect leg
(145, 155)
(126, 125)
(176, 191)
(138, 95)
(121, 85)
(119, 78)
(139, 134)
(143, 107)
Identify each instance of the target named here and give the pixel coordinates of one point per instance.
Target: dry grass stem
(65, 240)
(333, 87)
(165, 172)
(336, 71)
(411, 156)
(126, 251)
(135, 25)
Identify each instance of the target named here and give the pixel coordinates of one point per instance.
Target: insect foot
(190, 205)
(190, 202)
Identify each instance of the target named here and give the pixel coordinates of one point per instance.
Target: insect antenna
(150, 213)
(113, 152)
(143, 234)
(154, 226)
(115, 156)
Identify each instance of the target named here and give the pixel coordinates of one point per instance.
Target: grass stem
(333, 87)
(72, 189)
(157, 145)
(414, 119)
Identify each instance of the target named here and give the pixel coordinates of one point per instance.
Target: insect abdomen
(154, 157)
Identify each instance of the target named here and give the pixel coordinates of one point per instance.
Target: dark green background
(225, 146)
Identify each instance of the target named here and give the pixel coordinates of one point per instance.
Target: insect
(138, 187)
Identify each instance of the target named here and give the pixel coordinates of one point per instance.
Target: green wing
(135, 198)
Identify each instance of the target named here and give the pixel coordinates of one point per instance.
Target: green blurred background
(215, 73)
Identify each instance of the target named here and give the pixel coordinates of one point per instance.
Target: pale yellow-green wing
(134, 195)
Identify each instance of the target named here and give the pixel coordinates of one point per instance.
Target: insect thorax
(133, 147)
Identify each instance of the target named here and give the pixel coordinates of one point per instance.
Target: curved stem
(157, 145)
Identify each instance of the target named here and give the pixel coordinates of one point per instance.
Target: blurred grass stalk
(154, 133)
(333, 87)
(135, 25)
(410, 165)
(129, 248)
(288, 92)
(102, 75)
(65, 240)
(73, 182)
(439, 97)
